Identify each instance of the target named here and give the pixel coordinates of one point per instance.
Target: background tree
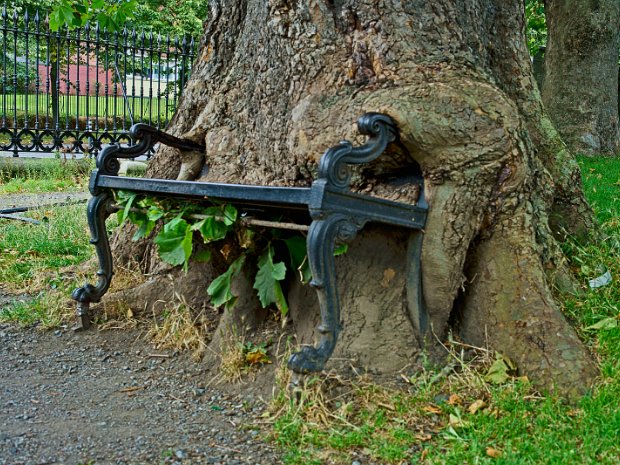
(580, 90)
(278, 82)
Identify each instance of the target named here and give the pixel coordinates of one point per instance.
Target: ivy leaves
(175, 242)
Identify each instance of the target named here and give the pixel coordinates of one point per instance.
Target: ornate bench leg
(322, 236)
(99, 208)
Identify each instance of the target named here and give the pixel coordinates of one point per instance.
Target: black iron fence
(78, 90)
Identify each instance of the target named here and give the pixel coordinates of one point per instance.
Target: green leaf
(219, 289)
(55, 20)
(154, 213)
(175, 242)
(267, 281)
(341, 249)
(606, 323)
(128, 203)
(298, 257)
(499, 371)
(211, 229)
(230, 215)
(203, 256)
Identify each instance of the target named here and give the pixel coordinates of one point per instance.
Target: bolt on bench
(334, 215)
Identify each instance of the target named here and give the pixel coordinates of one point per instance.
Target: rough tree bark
(277, 82)
(581, 80)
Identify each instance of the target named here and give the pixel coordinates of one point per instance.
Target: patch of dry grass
(181, 327)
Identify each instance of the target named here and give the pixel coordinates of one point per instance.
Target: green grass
(431, 423)
(30, 251)
(43, 175)
(515, 426)
(112, 107)
(32, 258)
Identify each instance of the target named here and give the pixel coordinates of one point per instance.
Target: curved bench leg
(99, 208)
(322, 236)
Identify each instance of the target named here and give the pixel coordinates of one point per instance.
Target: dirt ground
(109, 397)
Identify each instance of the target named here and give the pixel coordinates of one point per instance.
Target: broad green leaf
(144, 230)
(55, 21)
(211, 229)
(154, 213)
(219, 289)
(175, 242)
(267, 281)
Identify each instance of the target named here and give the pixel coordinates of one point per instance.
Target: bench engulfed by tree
(277, 82)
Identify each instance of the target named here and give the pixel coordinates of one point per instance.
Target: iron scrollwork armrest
(100, 207)
(147, 136)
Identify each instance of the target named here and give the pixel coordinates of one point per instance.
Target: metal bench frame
(334, 213)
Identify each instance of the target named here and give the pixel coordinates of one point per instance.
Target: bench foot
(83, 317)
(99, 208)
(322, 238)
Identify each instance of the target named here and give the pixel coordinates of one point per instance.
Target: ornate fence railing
(78, 90)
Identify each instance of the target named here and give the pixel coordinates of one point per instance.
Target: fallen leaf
(458, 422)
(476, 405)
(132, 389)
(605, 323)
(491, 452)
(423, 437)
(256, 357)
(388, 275)
(432, 409)
(455, 400)
(499, 371)
(226, 250)
(386, 406)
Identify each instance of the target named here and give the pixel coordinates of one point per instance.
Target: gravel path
(40, 200)
(111, 398)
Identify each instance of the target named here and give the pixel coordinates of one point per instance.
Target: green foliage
(296, 246)
(536, 28)
(29, 251)
(219, 289)
(16, 75)
(175, 242)
(268, 279)
(214, 224)
(177, 17)
(110, 14)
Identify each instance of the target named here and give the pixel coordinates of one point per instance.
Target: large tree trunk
(278, 82)
(581, 79)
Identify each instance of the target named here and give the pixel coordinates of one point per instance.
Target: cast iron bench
(334, 215)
